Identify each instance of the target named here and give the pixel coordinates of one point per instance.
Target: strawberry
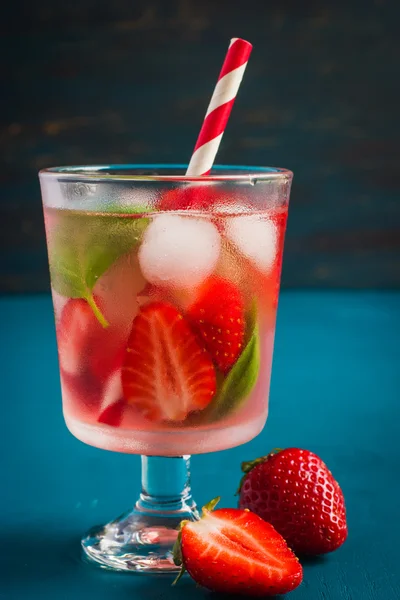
(81, 395)
(191, 197)
(84, 346)
(112, 405)
(166, 373)
(112, 414)
(235, 552)
(73, 328)
(295, 492)
(218, 317)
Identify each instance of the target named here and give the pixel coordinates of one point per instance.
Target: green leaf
(242, 377)
(82, 247)
(209, 507)
(177, 553)
(177, 550)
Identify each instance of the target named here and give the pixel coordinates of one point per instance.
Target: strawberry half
(166, 373)
(235, 552)
(295, 491)
(84, 346)
(218, 317)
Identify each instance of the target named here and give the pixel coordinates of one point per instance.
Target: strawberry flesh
(234, 551)
(295, 491)
(166, 373)
(218, 317)
(84, 346)
(81, 395)
(112, 414)
(191, 197)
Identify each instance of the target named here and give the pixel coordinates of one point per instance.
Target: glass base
(136, 542)
(141, 540)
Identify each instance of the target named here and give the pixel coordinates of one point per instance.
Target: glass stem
(166, 486)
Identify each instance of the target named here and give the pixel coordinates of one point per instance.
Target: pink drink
(166, 266)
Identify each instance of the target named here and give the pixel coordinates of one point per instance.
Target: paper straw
(220, 107)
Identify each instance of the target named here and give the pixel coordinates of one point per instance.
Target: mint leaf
(82, 247)
(241, 379)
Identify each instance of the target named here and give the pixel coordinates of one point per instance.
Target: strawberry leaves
(209, 507)
(83, 247)
(177, 553)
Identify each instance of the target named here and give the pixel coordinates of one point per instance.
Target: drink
(165, 298)
(95, 361)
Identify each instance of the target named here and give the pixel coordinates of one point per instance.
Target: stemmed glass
(165, 289)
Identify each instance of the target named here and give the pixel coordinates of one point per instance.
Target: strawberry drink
(165, 292)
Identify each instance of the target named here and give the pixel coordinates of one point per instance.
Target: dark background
(129, 81)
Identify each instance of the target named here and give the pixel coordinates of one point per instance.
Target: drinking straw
(220, 107)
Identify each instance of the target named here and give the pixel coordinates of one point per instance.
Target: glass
(165, 291)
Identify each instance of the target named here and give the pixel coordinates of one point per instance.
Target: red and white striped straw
(220, 107)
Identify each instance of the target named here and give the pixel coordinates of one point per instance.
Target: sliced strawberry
(192, 197)
(75, 323)
(218, 317)
(81, 395)
(235, 552)
(166, 373)
(84, 346)
(112, 415)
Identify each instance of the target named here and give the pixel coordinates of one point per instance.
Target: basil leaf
(82, 247)
(241, 379)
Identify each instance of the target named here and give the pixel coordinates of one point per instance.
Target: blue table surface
(335, 390)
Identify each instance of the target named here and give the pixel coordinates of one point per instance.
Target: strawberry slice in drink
(218, 317)
(88, 354)
(166, 373)
(191, 197)
(81, 395)
(112, 401)
(114, 410)
(112, 414)
(84, 345)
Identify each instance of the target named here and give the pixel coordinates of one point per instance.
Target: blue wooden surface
(335, 391)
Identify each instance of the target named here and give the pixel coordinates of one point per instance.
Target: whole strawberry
(294, 491)
(233, 551)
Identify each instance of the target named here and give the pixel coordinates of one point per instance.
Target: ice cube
(179, 251)
(255, 237)
(117, 290)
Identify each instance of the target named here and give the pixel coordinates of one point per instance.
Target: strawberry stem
(97, 312)
(209, 507)
(180, 574)
(177, 553)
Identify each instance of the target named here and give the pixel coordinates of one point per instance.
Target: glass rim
(114, 172)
